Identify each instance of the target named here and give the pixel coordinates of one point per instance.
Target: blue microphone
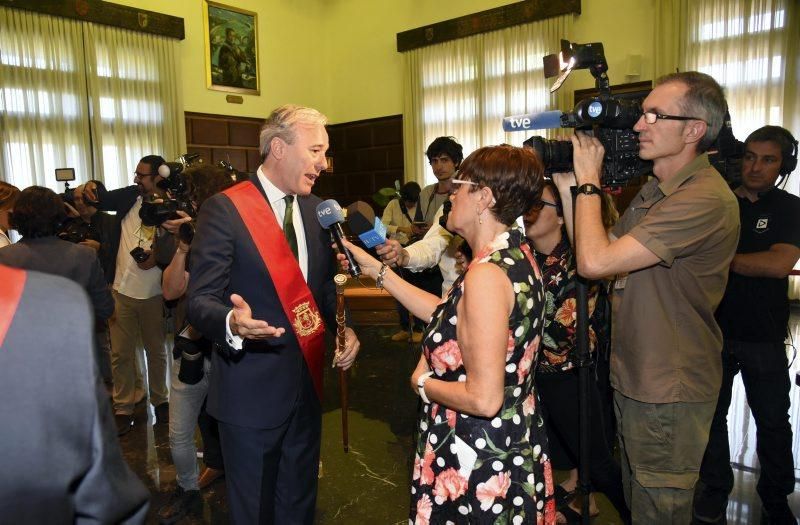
(363, 222)
(331, 217)
(543, 120)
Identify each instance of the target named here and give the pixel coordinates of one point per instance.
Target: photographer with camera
(675, 242)
(37, 216)
(191, 367)
(137, 295)
(93, 228)
(754, 316)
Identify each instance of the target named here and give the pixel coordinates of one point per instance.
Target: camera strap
(13, 280)
(293, 292)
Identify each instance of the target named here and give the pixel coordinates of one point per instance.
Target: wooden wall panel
(220, 137)
(367, 156)
(210, 131)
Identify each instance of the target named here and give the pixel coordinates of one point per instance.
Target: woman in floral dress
(557, 373)
(481, 455)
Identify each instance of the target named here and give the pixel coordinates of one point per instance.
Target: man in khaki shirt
(675, 242)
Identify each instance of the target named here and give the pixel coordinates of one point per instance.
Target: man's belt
(293, 292)
(13, 281)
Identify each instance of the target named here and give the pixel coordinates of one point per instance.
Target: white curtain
(464, 88)
(135, 92)
(751, 48)
(44, 116)
(84, 96)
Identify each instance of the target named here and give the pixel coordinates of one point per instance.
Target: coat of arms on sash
(306, 320)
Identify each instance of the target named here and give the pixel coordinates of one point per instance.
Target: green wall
(340, 55)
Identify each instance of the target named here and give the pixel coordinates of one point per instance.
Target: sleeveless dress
(469, 469)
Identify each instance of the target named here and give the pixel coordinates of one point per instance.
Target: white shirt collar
(274, 195)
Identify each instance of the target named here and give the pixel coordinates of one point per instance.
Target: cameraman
(754, 316)
(675, 241)
(137, 295)
(100, 228)
(37, 216)
(192, 353)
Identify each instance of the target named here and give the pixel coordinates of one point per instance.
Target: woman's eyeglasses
(541, 203)
(460, 182)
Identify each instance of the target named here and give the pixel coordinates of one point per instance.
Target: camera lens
(556, 155)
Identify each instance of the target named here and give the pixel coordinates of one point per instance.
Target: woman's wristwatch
(421, 386)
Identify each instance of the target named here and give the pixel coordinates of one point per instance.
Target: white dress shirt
(439, 246)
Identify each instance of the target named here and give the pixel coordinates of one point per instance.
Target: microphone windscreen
(360, 217)
(329, 213)
(544, 120)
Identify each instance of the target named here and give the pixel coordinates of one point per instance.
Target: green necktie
(288, 225)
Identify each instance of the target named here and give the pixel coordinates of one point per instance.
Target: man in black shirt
(754, 315)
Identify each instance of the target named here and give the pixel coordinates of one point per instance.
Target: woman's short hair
(205, 181)
(410, 192)
(38, 212)
(513, 174)
(281, 124)
(8, 195)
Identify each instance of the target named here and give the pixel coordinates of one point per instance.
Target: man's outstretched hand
(243, 324)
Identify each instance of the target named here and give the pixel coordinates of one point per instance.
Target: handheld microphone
(363, 222)
(543, 120)
(331, 217)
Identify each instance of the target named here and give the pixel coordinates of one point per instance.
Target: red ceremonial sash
(295, 297)
(13, 281)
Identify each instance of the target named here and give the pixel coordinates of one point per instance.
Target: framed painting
(231, 36)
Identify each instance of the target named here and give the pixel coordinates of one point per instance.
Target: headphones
(789, 164)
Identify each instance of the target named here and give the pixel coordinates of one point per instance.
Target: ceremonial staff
(340, 280)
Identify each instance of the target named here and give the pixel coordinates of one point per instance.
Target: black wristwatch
(588, 189)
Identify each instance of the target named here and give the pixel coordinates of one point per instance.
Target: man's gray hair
(704, 99)
(281, 124)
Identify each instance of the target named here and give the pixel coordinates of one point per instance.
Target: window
(83, 96)
(464, 88)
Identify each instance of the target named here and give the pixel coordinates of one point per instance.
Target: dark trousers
(766, 384)
(558, 393)
(209, 431)
(271, 474)
(429, 280)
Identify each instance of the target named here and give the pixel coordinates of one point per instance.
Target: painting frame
(231, 49)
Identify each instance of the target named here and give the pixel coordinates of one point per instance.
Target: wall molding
(106, 13)
(485, 21)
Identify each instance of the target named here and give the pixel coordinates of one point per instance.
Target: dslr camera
(176, 195)
(139, 254)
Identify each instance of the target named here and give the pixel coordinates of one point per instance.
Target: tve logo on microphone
(330, 208)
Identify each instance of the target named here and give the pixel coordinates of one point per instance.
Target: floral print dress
(470, 469)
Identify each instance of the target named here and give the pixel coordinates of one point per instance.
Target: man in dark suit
(261, 280)
(61, 462)
(37, 215)
(137, 295)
